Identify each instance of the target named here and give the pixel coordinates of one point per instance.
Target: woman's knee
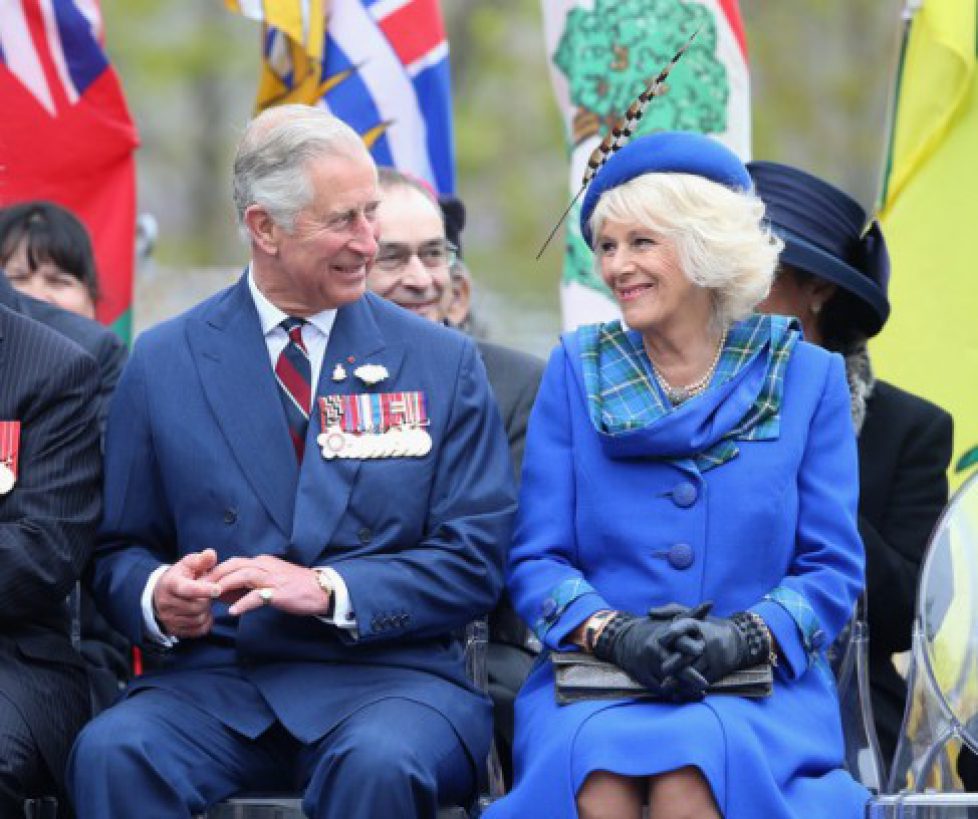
(681, 794)
(606, 795)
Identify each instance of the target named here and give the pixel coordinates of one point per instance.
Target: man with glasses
(417, 260)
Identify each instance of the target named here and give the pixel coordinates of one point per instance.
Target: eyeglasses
(436, 255)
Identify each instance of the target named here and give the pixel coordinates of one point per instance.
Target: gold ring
(265, 595)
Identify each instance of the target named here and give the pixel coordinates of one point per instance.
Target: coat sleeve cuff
(795, 628)
(564, 609)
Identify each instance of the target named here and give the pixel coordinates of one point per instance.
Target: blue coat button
(684, 494)
(548, 608)
(818, 638)
(680, 556)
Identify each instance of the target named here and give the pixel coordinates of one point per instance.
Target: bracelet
(594, 627)
(606, 639)
(757, 636)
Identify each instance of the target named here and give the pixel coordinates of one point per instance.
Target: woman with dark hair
(833, 275)
(46, 253)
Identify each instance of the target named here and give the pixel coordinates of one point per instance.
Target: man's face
(413, 261)
(322, 264)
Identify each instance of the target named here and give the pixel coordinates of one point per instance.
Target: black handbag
(581, 676)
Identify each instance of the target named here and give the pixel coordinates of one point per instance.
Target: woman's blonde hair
(721, 239)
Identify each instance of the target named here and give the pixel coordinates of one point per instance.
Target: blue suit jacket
(198, 455)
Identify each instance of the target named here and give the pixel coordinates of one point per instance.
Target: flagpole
(910, 9)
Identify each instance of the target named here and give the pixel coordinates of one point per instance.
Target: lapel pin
(371, 374)
(339, 373)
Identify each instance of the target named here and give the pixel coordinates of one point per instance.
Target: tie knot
(293, 326)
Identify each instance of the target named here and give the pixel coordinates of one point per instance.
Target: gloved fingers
(692, 679)
(682, 627)
(691, 646)
(668, 612)
(682, 688)
(673, 663)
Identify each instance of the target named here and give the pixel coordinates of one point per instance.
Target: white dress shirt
(315, 335)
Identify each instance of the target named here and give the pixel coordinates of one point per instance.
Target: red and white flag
(602, 53)
(66, 134)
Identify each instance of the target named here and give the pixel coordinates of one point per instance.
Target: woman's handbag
(582, 676)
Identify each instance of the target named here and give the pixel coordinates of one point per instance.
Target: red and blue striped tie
(294, 375)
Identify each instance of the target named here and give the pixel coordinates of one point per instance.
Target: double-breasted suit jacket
(198, 455)
(47, 528)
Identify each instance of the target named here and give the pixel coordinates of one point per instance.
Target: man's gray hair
(270, 164)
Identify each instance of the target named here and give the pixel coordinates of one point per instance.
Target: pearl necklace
(677, 395)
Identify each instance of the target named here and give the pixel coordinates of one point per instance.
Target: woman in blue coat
(694, 452)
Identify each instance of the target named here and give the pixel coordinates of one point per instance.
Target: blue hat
(824, 234)
(664, 152)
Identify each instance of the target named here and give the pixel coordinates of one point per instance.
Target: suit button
(684, 494)
(230, 515)
(548, 608)
(364, 535)
(680, 556)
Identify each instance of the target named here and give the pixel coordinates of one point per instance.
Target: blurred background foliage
(821, 73)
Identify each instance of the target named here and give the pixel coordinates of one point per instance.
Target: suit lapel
(325, 486)
(239, 385)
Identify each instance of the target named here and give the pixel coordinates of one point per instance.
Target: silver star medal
(7, 479)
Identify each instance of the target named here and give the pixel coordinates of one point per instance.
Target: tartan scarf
(623, 396)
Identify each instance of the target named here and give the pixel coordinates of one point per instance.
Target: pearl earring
(816, 307)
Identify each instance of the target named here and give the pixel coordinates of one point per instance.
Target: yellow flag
(929, 211)
(293, 37)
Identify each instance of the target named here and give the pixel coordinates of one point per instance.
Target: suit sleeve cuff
(151, 628)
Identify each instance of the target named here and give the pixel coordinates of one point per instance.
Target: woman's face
(642, 269)
(801, 297)
(48, 282)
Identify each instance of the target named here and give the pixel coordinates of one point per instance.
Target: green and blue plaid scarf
(622, 396)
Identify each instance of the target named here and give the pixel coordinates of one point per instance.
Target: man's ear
(458, 310)
(262, 229)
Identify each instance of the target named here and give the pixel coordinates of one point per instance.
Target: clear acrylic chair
(849, 660)
(941, 717)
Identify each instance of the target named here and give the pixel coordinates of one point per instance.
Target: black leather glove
(635, 645)
(726, 644)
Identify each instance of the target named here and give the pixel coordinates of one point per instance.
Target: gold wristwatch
(322, 578)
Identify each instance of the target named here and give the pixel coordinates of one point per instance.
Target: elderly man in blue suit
(307, 489)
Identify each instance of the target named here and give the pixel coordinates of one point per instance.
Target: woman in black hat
(833, 275)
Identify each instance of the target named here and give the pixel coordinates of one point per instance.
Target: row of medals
(399, 442)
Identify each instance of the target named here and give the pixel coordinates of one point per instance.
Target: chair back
(941, 716)
(849, 659)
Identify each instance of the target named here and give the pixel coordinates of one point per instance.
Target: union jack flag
(66, 134)
(382, 68)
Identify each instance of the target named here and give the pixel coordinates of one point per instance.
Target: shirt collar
(271, 316)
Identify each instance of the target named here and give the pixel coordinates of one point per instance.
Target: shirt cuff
(150, 626)
(343, 615)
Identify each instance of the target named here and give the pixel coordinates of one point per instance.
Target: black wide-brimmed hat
(825, 234)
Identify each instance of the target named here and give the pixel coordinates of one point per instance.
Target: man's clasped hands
(185, 592)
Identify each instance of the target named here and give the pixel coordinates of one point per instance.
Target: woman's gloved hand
(636, 645)
(726, 644)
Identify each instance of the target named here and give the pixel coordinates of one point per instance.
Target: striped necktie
(294, 375)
